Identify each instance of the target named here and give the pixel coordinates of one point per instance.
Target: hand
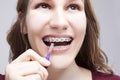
(28, 66)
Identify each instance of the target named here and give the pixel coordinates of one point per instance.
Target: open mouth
(57, 41)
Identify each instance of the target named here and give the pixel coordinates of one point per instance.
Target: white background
(108, 13)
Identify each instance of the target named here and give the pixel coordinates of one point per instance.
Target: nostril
(59, 27)
(59, 23)
(65, 28)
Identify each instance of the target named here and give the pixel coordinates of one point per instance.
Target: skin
(54, 18)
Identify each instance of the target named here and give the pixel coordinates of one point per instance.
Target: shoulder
(2, 77)
(104, 76)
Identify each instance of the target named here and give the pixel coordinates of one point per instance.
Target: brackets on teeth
(57, 39)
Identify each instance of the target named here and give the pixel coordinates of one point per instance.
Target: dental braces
(58, 39)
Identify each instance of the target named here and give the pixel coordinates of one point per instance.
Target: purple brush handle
(48, 56)
(50, 50)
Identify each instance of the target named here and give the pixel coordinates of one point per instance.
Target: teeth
(60, 46)
(57, 39)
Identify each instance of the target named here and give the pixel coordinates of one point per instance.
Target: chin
(60, 63)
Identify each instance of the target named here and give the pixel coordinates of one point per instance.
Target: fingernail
(47, 62)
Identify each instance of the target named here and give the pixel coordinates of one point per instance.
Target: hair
(90, 55)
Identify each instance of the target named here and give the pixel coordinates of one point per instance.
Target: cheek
(78, 22)
(79, 27)
(36, 21)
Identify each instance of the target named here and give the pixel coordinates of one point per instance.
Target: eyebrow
(32, 1)
(51, 0)
(75, 0)
(79, 1)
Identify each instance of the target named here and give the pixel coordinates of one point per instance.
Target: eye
(43, 6)
(73, 7)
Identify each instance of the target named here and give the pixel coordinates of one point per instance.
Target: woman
(72, 27)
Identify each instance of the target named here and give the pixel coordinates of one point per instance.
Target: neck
(73, 72)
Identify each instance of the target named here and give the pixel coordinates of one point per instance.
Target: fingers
(35, 69)
(32, 77)
(23, 70)
(31, 55)
(28, 66)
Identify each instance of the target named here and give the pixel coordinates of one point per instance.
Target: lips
(58, 41)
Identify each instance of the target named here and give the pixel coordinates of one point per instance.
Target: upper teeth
(57, 39)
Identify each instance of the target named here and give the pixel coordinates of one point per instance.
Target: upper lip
(57, 36)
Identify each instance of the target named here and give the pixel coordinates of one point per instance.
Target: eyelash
(74, 7)
(43, 5)
(47, 6)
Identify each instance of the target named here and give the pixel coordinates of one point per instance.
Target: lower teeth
(60, 46)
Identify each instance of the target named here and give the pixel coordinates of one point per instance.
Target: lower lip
(61, 49)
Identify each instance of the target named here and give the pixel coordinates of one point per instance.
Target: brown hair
(90, 55)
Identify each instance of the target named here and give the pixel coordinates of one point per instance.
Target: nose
(58, 21)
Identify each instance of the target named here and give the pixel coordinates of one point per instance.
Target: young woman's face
(62, 22)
